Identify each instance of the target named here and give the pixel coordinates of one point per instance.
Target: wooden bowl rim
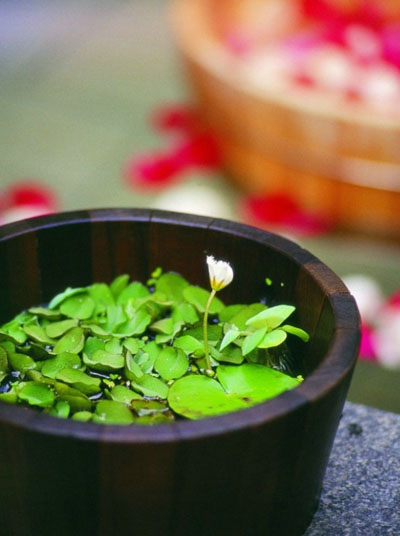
(337, 364)
(335, 111)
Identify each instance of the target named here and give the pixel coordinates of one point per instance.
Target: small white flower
(220, 272)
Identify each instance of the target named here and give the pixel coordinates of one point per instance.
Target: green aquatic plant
(134, 353)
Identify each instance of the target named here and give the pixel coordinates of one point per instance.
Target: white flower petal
(220, 272)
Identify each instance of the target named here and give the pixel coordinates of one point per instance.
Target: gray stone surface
(361, 491)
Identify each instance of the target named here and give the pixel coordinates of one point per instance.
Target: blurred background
(284, 114)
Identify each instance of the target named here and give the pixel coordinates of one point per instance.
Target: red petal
(394, 299)
(29, 193)
(202, 150)
(321, 11)
(282, 210)
(151, 171)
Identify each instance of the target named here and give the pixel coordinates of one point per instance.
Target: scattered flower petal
(153, 171)
(202, 151)
(367, 348)
(391, 44)
(25, 193)
(26, 199)
(282, 210)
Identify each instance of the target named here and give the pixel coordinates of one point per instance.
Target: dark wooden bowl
(252, 472)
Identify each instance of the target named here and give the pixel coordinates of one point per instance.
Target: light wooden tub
(339, 161)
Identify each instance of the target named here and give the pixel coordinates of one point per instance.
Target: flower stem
(205, 332)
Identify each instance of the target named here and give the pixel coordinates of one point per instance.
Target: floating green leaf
(241, 317)
(273, 338)
(36, 394)
(79, 380)
(197, 396)
(185, 312)
(61, 409)
(45, 313)
(3, 360)
(254, 383)
(231, 355)
(172, 285)
(113, 346)
(14, 334)
(132, 292)
(21, 362)
(132, 367)
(92, 344)
(303, 335)
(77, 400)
(165, 325)
(8, 346)
(120, 393)
(146, 358)
(171, 363)
(112, 412)
(102, 296)
(56, 329)
(38, 334)
(73, 341)
(272, 317)
(135, 326)
(118, 284)
(83, 416)
(37, 376)
(230, 336)
(67, 293)
(132, 344)
(10, 397)
(80, 306)
(188, 344)
(150, 386)
(230, 311)
(96, 330)
(252, 341)
(214, 333)
(104, 361)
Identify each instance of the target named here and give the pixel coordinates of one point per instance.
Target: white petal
(220, 272)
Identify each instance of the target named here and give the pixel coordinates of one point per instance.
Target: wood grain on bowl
(252, 472)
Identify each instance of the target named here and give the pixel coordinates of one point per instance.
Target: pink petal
(367, 350)
(391, 44)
